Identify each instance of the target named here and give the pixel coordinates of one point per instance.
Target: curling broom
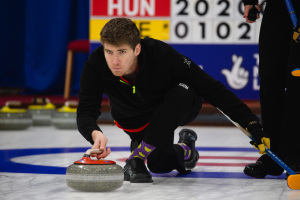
(293, 181)
(289, 5)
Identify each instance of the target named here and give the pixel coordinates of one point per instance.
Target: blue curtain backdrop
(34, 35)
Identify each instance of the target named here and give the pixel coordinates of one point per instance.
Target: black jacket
(160, 68)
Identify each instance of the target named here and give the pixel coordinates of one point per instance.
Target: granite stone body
(15, 121)
(41, 117)
(64, 120)
(94, 177)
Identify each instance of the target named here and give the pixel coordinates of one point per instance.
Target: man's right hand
(100, 142)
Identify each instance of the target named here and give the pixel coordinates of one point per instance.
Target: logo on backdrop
(237, 77)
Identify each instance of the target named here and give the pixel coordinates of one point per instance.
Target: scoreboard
(213, 33)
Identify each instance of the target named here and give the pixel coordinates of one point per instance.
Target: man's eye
(122, 52)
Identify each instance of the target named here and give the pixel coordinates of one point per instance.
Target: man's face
(121, 60)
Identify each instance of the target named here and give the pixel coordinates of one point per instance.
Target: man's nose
(115, 60)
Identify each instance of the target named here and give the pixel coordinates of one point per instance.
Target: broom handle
(268, 151)
(292, 13)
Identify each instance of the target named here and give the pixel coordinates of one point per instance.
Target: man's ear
(137, 50)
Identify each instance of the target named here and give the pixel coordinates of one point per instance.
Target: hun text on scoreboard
(213, 33)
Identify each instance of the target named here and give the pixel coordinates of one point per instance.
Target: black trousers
(279, 90)
(180, 106)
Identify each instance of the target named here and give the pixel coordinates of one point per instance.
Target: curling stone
(65, 117)
(94, 175)
(41, 111)
(14, 118)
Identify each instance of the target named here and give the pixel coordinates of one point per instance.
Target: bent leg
(180, 107)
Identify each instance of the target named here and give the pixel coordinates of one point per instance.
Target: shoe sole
(248, 172)
(188, 130)
(127, 178)
(144, 180)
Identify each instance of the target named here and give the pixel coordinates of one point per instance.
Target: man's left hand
(247, 9)
(261, 140)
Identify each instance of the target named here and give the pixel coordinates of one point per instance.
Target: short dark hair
(120, 31)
